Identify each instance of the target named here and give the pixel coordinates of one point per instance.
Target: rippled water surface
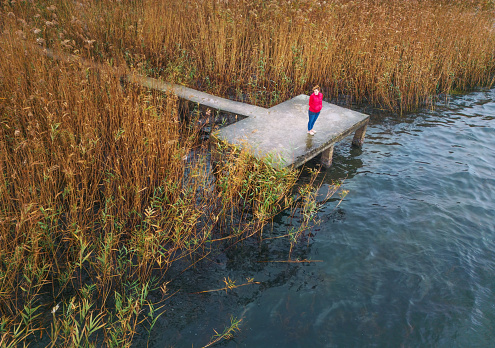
(407, 259)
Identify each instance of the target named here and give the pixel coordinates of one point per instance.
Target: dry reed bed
(97, 197)
(102, 190)
(394, 54)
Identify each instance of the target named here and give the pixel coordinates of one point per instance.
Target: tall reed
(102, 189)
(393, 54)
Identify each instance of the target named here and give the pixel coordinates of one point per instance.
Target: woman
(315, 105)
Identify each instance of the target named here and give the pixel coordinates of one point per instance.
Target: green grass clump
(102, 190)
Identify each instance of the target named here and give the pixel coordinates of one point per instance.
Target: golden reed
(99, 194)
(393, 54)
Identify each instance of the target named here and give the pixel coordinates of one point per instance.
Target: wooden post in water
(327, 157)
(359, 135)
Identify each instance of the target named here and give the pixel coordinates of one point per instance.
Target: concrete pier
(201, 98)
(279, 132)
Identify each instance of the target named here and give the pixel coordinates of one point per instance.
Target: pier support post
(215, 156)
(327, 157)
(359, 136)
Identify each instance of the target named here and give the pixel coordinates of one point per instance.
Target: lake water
(407, 258)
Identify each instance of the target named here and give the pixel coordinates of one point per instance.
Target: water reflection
(346, 163)
(407, 257)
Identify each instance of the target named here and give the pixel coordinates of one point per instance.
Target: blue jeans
(313, 116)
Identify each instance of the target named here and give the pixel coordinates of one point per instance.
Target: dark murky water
(408, 258)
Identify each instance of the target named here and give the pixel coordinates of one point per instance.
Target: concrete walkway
(201, 98)
(279, 132)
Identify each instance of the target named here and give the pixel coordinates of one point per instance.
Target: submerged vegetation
(104, 188)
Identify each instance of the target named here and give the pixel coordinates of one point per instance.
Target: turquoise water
(407, 258)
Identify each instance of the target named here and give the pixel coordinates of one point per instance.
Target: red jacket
(315, 102)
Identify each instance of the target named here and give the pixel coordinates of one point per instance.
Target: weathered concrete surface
(282, 132)
(279, 132)
(202, 98)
